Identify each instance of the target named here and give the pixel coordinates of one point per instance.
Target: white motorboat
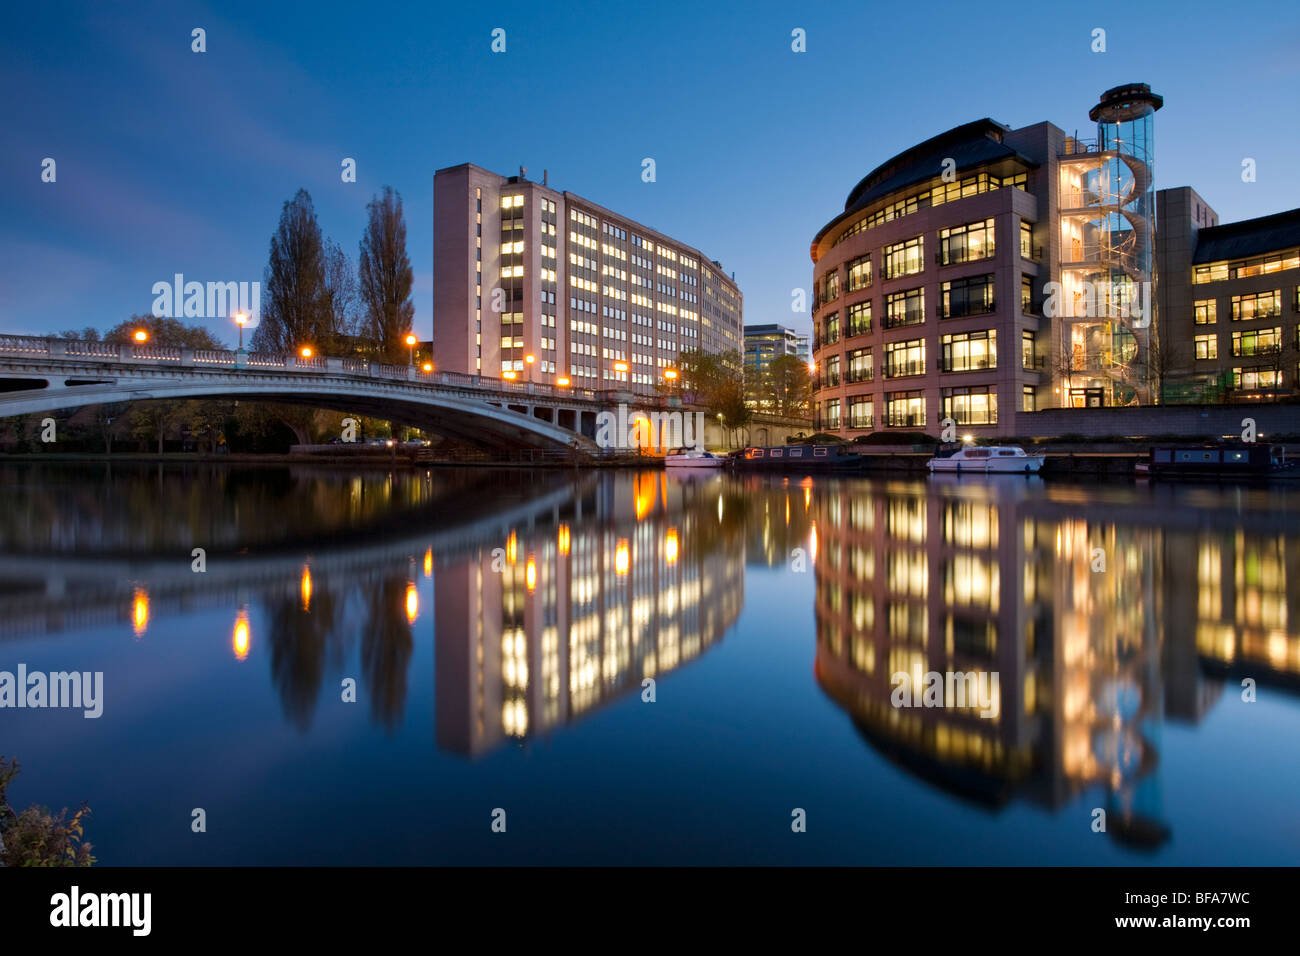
(989, 460)
(693, 458)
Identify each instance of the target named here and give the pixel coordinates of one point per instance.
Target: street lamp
(510, 374)
(306, 351)
(141, 336)
(670, 374)
(529, 359)
(428, 366)
(240, 319)
(410, 341)
(562, 381)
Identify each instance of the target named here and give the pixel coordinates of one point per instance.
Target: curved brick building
(925, 286)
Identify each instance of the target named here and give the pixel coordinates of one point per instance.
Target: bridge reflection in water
(551, 594)
(1102, 618)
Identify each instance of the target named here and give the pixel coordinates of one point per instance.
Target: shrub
(37, 837)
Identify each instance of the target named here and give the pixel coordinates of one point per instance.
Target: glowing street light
(562, 381)
(427, 366)
(620, 367)
(141, 335)
(670, 374)
(510, 375)
(306, 351)
(240, 319)
(410, 341)
(529, 359)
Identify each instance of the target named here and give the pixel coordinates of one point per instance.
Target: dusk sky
(173, 161)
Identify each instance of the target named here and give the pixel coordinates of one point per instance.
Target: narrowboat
(795, 458)
(1224, 460)
(693, 458)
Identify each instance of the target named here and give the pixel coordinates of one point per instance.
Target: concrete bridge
(43, 375)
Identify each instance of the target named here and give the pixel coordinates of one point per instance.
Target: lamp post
(410, 341)
(240, 319)
(529, 359)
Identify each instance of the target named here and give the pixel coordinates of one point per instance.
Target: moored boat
(988, 460)
(795, 458)
(1222, 460)
(693, 458)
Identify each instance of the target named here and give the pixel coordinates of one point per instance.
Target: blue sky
(173, 161)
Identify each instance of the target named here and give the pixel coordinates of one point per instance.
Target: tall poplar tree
(386, 279)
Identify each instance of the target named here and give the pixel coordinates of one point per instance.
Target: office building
(596, 299)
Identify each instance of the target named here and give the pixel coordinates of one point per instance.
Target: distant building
(803, 347)
(763, 343)
(599, 301)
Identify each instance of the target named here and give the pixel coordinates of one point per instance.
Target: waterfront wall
(1208, 421)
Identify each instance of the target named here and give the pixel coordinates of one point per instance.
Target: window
(1028, 350)
(861, 412)
(1028, 399)
(968, 351)
(962, 297)
(904, 308)
(860, 367)
(904, 358)
(905, 409)
(1205, 311)
(1207, 346)
(966, 243)
(1257, 305)
(905, 258)
(1026, 295)
(971, 406)
(832, 327)
(1254, 342)
(859, 273)
(1244, 268)
(832, 419)
(829, 288)
(859, 316)
(1026, 240)
(832, 371)
(1253, 378)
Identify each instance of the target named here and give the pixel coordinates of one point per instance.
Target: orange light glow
(141, 335)
(428, 366)
(562, 382)
(622, 557)
(620, 366)
(428, 563)
(670, 546)
(412, 603)
(530, 575)
(241, 318)
(240, 639)
(670, 373)
(512, 548)
(509, 374)
(812, 542)
(140, 611)
(410, 340)
(305, 587)
(562, 539)
(306, 351)
(530, 359)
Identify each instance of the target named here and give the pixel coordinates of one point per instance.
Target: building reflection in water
(633, 579)
(1100, 623)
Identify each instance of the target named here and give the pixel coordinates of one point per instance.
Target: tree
(787, 387)
(340, 293)
(297, 310)
(386, 279)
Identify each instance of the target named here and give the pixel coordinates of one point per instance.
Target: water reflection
(1101, 618)
(491, 610)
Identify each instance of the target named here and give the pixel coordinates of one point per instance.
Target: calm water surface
(499, 627)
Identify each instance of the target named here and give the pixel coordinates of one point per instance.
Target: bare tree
(386, 278)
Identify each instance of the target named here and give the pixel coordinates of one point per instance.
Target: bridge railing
(26, 345)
